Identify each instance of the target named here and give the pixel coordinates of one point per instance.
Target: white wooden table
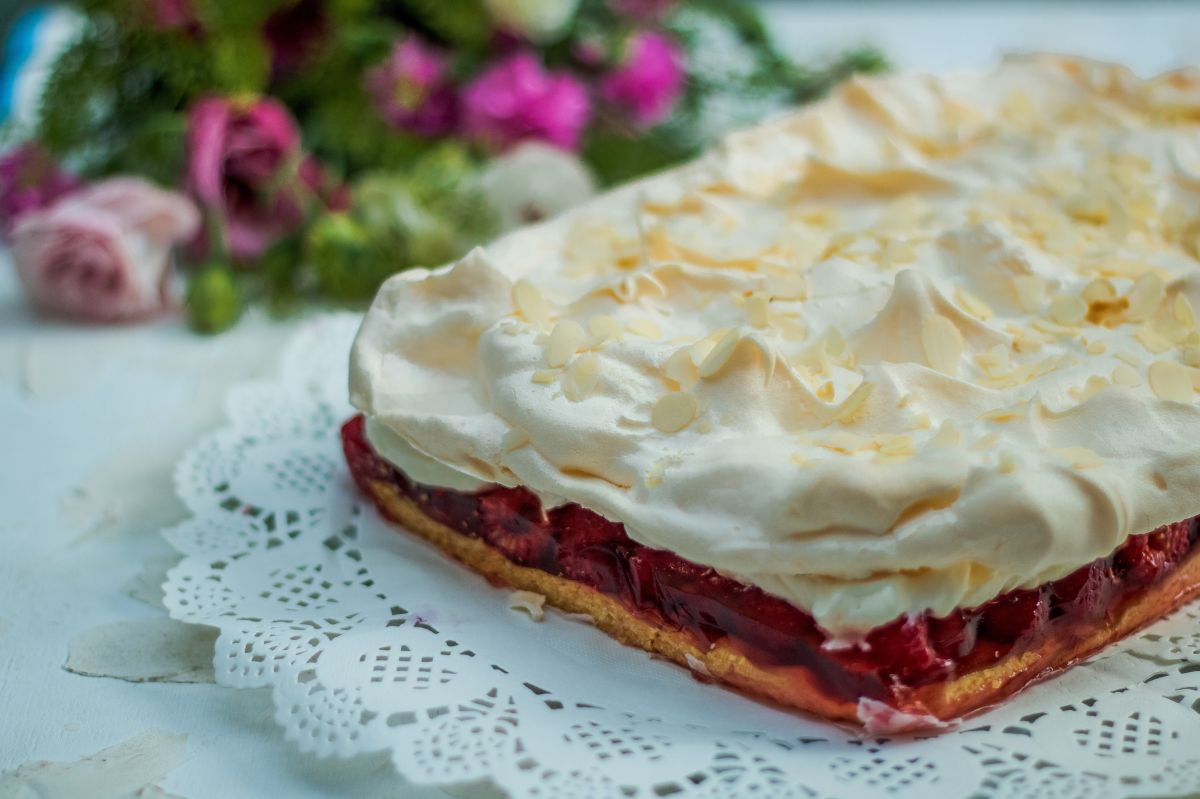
(92, 421)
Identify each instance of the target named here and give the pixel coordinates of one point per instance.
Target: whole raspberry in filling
(580, 545)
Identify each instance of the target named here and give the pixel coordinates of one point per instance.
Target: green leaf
(241, 62)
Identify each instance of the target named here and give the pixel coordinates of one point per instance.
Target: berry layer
(919, 665)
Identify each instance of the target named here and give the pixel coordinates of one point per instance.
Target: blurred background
(307, 149)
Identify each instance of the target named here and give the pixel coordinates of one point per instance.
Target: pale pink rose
(103, 253)
(649, 80)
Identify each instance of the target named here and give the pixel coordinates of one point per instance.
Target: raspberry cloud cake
(881, 409)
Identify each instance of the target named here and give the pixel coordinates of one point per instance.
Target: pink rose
(648, 82)
(247, 170)
(413, 91)
(29, 180)
(104, 252)
(515, 100)
(644, 11)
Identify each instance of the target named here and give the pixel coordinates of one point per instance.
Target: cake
(881, 409)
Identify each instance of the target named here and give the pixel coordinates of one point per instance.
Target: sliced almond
(581, 377)
(647, 328)
(530, 303)
(853, 404)
(1031, 292)
(758, 311)
(565, 340)
(1170, 381)
(1145, 296)
(674, 411)
(1067, 309)
(943, 344)
(973, 305)
(680, 369)
(1125, 375)
(716, 359)
(546, 376)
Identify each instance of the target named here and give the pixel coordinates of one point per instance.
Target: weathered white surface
(92, 421)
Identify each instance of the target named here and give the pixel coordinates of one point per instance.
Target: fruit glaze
(577, 544)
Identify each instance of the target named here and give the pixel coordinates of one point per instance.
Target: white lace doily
(372, 640)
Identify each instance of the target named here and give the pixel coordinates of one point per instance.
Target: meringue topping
(926, 341)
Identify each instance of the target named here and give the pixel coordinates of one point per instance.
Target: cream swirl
(926, 341)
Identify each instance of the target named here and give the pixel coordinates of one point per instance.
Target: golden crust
(794, 686)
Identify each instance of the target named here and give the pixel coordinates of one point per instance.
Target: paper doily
(372, 641)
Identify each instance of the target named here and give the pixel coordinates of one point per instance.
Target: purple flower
(29, 180)
(412, 90)
(247, 169)
(647, 84)
(643, 10)
(516, 99)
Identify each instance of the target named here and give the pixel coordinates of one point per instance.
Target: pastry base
(923, 706)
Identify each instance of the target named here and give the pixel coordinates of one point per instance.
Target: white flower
(534, 181)
(537, 20)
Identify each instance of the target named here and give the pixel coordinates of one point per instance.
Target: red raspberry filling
(575, 543)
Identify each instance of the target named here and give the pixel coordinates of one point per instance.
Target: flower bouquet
(303, 150)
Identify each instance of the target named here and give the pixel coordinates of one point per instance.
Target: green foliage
(213, 301)
(117, 101)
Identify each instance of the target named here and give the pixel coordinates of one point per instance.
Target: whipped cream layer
(926, 341)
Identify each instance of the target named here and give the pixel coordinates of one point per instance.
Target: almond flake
(853, 404)
(700, 350)
(1093, 386)
(530, 602)
(1067, 309)
(1080, 457)
(843, 441)
(948, 435)
(1145, 296)
(673, 412)
(1152, 340)
(644, 327)
(530, 303)
(546, 376)
(715, 361)
(680, 369)
(1099, 290)
(943, 344)
(1184, 314)
(581, 377)
(565, 340)
(921, 422)
(604, 327)
(787, 287)
(973, 305)
(1125, 375)
(898, 445)
(1191, 356)
(1170, 381)
(1096, 347)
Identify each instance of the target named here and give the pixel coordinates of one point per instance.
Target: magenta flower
(413, 91)
(170, 15)
(648, 82)
(29, 180)
(103, 253)
(644, 11)
(248, 172)
(516, 99)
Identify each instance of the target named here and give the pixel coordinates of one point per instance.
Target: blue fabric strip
(18, 49)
